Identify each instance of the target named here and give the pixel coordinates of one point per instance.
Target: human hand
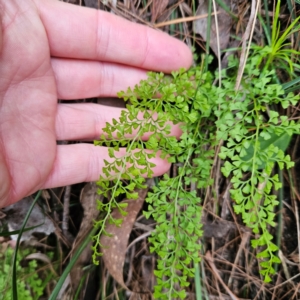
(53, 50)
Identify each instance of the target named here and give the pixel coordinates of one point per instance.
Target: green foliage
(29, 285)
(256, 138)
(252, 136)
(183, 99)
(279, 53)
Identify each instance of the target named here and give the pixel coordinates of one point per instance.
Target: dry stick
(66, 210)
(285, 271)
(65, 221)
(185, 28)
(284, 265)
(247, 36)
(296, 293)
(139, 238)
(219, 64)
(144, 9)
(285, 282)
(298, 228)
(218, 42)
(218, 289)
(181, 20)
(130, 271)
(214, 269)
(245, 239)
(120, 11)
(215, 163)
(225, 211)
(261, 289)
(295, 204)
(274, 293)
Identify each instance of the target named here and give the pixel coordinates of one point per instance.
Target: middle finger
(76, 79)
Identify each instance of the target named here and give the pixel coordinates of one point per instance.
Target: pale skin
(53, 50)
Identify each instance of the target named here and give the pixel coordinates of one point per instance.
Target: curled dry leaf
(224, 24)
(38, 220)
(115, 247)
(44, 258)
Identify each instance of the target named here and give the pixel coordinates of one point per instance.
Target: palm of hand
(28, 104)
(54, 50)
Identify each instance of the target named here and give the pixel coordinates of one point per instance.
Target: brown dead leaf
(115, 247)
(224, 24)
(157, 8)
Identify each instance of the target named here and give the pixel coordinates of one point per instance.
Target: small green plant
(247, 125)
(256, 137)
(279, 53)
(29, 285)
(184, 99)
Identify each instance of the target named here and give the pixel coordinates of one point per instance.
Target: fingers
(84, 33)
(85, 121)
(84, 162)
(0, 33)
(77, 79)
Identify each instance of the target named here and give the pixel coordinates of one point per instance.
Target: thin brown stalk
(209, 259)
(247, 38)
(181, 20)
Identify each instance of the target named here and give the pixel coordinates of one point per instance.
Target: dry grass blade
(182, 20)
(209, 259)
(242, 246)
(66, 213)
(247, 37)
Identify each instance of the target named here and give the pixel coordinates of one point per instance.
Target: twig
(284, 266)
(245, 239)
(139, 238)
(285, 282)
(218, 43)
(247, 36)
(214, 269)
(298, 229)
(185, 28)
(65, 220)
(181, 20)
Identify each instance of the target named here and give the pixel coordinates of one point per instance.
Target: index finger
(85, 33)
